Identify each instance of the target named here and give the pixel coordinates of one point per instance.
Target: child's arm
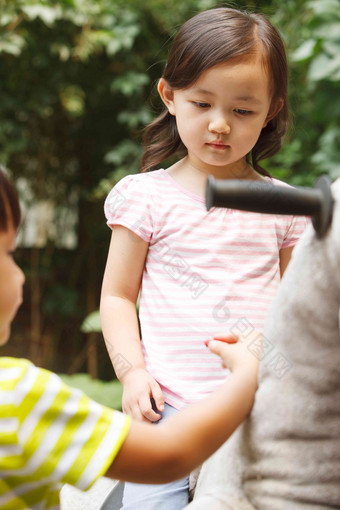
(172, 449)
(121, 284)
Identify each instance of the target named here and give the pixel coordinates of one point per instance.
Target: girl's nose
(220, 125)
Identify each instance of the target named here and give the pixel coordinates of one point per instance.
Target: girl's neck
(194, 179)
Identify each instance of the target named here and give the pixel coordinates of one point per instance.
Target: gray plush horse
(286, 455)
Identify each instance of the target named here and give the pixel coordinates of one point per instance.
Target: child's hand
(138, 389)
(241, 353)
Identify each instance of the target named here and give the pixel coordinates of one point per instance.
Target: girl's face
(11, 283)
(220, 117)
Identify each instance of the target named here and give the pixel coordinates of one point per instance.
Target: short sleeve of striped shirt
(50, 434)
(130, 205)
(296, 226)
(291, 227)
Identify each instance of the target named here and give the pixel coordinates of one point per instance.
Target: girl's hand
(241, 353)
(139, 387)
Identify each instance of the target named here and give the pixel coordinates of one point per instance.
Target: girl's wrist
(131, 371)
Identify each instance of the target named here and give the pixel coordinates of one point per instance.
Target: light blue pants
(168, 496)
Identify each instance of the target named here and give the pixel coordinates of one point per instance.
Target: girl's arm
(161, 453)
(121, 284)
(285, 255)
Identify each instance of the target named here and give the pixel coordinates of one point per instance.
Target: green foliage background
(76, 88)
(106, 393)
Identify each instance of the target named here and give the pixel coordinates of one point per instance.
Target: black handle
(264, 197)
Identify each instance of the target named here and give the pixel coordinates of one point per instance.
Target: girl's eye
(201, 105)
(240, 111)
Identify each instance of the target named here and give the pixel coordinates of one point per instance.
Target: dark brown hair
(9, 204)
(208, 39)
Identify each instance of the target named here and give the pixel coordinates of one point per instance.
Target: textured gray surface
(93, 499)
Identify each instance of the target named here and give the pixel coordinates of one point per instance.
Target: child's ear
(274, 110)
(167, 95)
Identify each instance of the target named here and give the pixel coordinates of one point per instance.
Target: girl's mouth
(216, 144)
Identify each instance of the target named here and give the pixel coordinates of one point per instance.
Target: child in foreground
(52, 434)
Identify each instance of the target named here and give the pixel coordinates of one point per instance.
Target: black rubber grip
(263, 197)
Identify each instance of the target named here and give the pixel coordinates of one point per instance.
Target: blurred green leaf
(108, 394)
(135, 118)
(305, 51)
(130, 83)
(329, 31)
(11, 43)
(92, 323)
(46, 13)
(324, 9)
(72, 98)
(125, 152)
(327, 158)
(324, 67)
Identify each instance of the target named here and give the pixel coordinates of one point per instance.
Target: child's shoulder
(13, 371)
(16, 369)
(142, 177)
(133, 186)
(278, 182)
(13, 364)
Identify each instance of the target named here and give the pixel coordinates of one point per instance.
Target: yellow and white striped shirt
(50, 434)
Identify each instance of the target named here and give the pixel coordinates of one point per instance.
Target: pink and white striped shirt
(206, 272)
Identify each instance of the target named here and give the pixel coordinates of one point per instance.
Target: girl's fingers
(158, 396)
(145, 407)
(228, 339)
(135, 413)
(225, 337)
(216, 347)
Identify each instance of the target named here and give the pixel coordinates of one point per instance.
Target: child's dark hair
(209, 39)
(9, 205)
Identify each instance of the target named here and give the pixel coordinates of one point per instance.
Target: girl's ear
(274, 110)
(167, 95)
